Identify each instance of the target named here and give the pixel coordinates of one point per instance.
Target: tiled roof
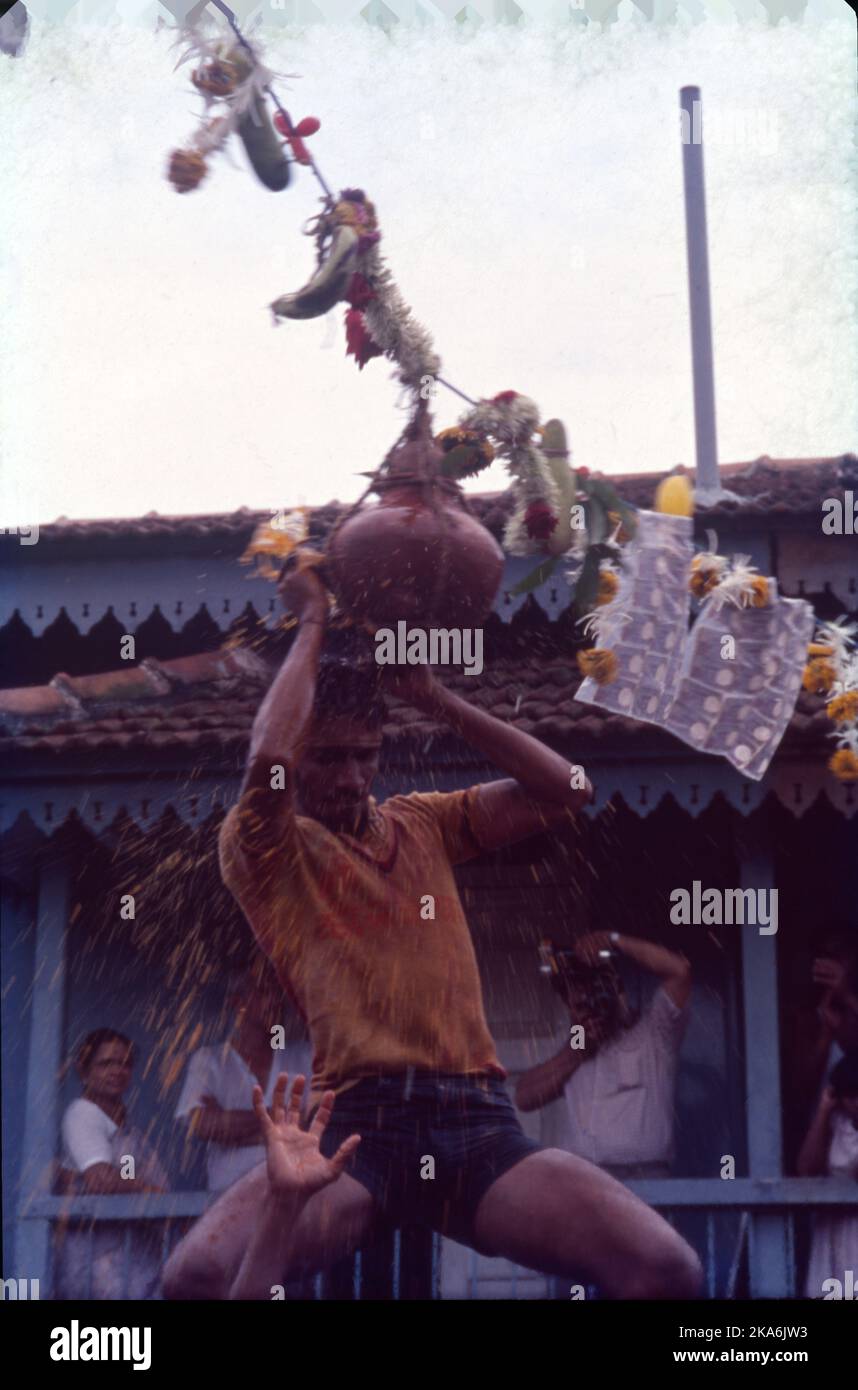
(207, 703)
(765, 485)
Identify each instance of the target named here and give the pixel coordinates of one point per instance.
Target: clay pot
(417, 554)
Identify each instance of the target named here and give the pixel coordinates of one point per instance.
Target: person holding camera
(619, 1087)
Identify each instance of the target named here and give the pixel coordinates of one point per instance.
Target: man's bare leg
(298, 1211)
(561, 1215)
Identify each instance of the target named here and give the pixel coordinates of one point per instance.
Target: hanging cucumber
(263, 148)
(258, 136)
(328, 284)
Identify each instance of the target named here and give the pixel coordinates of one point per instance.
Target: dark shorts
(466, 1126)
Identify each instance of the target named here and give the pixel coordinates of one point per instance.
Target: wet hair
(844, 1075)
(348, 685)
(87, 1050)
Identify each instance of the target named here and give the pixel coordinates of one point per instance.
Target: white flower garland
(392, 325)
(840, 637)
(511, 424)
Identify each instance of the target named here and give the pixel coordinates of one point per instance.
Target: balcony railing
(744, 1230)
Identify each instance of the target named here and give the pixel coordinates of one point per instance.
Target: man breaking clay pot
(331, 883)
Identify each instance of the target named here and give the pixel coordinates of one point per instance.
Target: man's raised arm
(543, 791)
(284, 717)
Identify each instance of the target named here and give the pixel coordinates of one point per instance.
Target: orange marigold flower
(187, 170)
(844, 765)
(759, 596)
(600, 664)
(608, 586)
(843, 708)
(217, 78)
(706, 571)
(819, 676)
(819, 649)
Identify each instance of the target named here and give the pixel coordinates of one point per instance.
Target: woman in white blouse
(831, 1148)
(103, 1154)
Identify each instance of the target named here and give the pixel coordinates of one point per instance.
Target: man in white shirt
(620, 1093)
(104, 1154)
(216, 1096)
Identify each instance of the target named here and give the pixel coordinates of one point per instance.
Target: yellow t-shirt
(381, 988)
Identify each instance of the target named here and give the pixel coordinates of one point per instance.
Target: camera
(599, 984)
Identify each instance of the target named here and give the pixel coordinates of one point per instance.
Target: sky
(529, 187)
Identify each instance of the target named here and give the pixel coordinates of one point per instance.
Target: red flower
(503, 396)
(359, 292)
(359, 344)
(296, 135)
(540, 521)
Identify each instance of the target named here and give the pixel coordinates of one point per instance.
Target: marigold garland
(833, 670)
(467, 454)
(599, 664)
(819, 676)
(843, 709)
(844, 765)
(609, 584)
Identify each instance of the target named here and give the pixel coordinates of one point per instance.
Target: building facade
(121, 759)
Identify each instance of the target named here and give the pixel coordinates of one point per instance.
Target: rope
(233, 24)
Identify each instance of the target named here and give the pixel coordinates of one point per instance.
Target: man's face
(580, 1004)
(336, 774)
(109, 1072)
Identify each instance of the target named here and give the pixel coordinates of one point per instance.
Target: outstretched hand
(296, 1167)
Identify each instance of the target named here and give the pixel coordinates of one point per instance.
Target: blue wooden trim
(17, 912)
(642, 783)
(771, 1274)
(32, 1244)
(88, 589)
(136, 1206)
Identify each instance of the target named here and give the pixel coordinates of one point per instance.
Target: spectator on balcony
(620, 1093)
(820, 1031)
(838, 1008)
(831, 1148)
(215, 1098)
(104, 1155)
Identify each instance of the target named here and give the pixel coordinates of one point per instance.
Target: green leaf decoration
(598, 526)
(543, 571)
(588, 582)
(464, 461)
(607, 495)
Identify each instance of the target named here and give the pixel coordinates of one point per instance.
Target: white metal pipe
(700, 311)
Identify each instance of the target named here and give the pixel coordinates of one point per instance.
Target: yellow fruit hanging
(675, 496)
